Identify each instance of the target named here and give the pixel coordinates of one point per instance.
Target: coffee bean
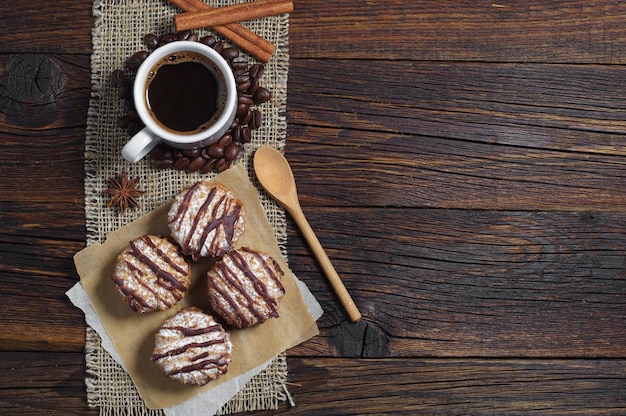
(163, 163)
(193, 37)
(123, 122)
(244, 86)
(151, 40)
(245, 99)
(191, 153)
(244, 76)
(169, 37)
(215, 151)
(246, 118)
(208, 166)
(132, 114)
(232, 151)
(184, 35)
(262, 95)
(225, 140)
(134, 127)
(221, 165)
(181, 163)
(196, 164)
(257, 119)
(230, 53)
(246, 136)
(208, 40)
(125, 90)
(118, 78)
(218, 46)
(240, 63)
(242, 109)
(136, 59)
(236, 134)
(162, 153)
(254, 85)
(257, 70)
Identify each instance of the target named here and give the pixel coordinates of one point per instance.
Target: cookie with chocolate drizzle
(206, 220)
(151, 274)
(192, 348)
(245, 288)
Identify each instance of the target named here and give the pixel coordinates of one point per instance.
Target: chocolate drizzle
(233, 280)
(212, 226)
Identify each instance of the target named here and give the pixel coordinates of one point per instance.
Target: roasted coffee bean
(136, 59)
(208, 166)
(182, 163)
(262, 95)
(218, 46)
(257, 119)
(123, 122)
(191, 153)
(151, 40)
(246, 118)
(208, 40)
(242, 77)
(230, 53)
(184, 35)
(240, 63)
(244, 86)
(245, 136)
(245, 99)
(161, 153)
(215, 151)
(242, 109)
(125, 90)
(169, 37)
(257, 70)
(118, 78)
(236, 134)
(163, 163)
(129, 105)
(233, 125)
(196, 164)
(193, 37)
(254, 85)
(232, 151)
(221, 165)
(225, 140)
(132, 114)
(134, 127)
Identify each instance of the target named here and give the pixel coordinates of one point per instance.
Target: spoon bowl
(275, 175)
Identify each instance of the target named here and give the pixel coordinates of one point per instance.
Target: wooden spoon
(275, 175)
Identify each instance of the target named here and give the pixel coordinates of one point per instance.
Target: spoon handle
(324, 261)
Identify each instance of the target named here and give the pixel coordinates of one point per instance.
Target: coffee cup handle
(140, 145)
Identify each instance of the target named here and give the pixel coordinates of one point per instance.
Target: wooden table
(464, 164)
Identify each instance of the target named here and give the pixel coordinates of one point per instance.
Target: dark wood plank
(62, 26)
(569, 108)
(533, 31)
(43, 384)
(455, 387)
(538, 137)
(43, 112)
(469, 283)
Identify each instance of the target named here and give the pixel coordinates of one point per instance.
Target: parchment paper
(132, 334)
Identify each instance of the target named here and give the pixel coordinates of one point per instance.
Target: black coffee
(183, 93)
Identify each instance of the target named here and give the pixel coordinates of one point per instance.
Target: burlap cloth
(118, 32)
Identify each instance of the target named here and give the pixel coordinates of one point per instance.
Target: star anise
(123, 192)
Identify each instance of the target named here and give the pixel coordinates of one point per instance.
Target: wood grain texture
(463, 165)
(532, 31)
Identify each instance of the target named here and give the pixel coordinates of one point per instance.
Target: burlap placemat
(118, 33)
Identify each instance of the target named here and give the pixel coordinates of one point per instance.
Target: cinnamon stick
(246, 39)
(229, 14)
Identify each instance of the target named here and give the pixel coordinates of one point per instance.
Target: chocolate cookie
(151, 274)
(206, 220)
(244, 287)
(192, 348)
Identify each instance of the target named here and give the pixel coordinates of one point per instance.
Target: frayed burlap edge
(118, 32)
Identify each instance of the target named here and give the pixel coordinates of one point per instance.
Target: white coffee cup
(155, 131)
